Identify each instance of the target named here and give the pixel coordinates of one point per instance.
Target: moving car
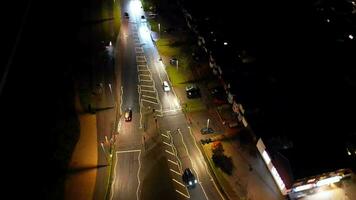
(128, 115)
(189, 178)
(166, 87)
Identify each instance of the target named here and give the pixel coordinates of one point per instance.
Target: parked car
(128, 115)
(189, 178)
(173, 61)
(126, 15)
(192, 91)
(218, 94)
(143, 18)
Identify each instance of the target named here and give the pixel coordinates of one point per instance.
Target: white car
(166, 87)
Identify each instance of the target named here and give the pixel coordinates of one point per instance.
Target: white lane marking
(167, 144)
(138, 175)
(143, 70)
(145, 80)
(151, 91)
(183, 194)
(145, 66)
(193, 164)
(138, 49)
(140, 58)
(145, 75)
(138, 171)
(141, 106)
(119, 126)
(149, 97)
(175, 151)
(149, 86)
(164, 135)
(169, 152)
(122, 93)
(175, 172)
(129, 151)
(205, 165)
(149, 101)
(178, 182)
(172, 162)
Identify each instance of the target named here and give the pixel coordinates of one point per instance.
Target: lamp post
(159, 30)
(102, 147)
(177, 64)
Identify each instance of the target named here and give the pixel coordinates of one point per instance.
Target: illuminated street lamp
(102, 146)
(351, 37)
(225, 43)
(159, 30)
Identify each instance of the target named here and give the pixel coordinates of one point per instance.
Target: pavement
(83, 166)
(243, 183)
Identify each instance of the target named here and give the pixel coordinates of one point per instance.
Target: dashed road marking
(182, 194)
(178, 182)
(175, 172)
(167, 144)
(169, 152)
(149, 101)
(129, 151)
(171, 161)
(152, 91)
(149, 97)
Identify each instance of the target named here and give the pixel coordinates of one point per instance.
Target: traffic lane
(190, 155)
(129, 75)
(127, 170)
(168, 100)
(174, 165)
(129, 136)
(197, 161)
(178, 162)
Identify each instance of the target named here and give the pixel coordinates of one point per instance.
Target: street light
(159, 30)
(102, 146)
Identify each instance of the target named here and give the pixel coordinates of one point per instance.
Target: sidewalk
(80, 181)
(250, 178)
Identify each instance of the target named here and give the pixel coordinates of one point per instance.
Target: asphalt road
(137, 168)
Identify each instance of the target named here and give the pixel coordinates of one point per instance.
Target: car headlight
(190, 183)
(195, 181)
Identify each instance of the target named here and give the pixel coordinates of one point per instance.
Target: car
(143, 18)
(192, 91)
(219, 95)
(126, 15)
(128, 115)
(189, 178)
(166, 87)
(173, 61)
